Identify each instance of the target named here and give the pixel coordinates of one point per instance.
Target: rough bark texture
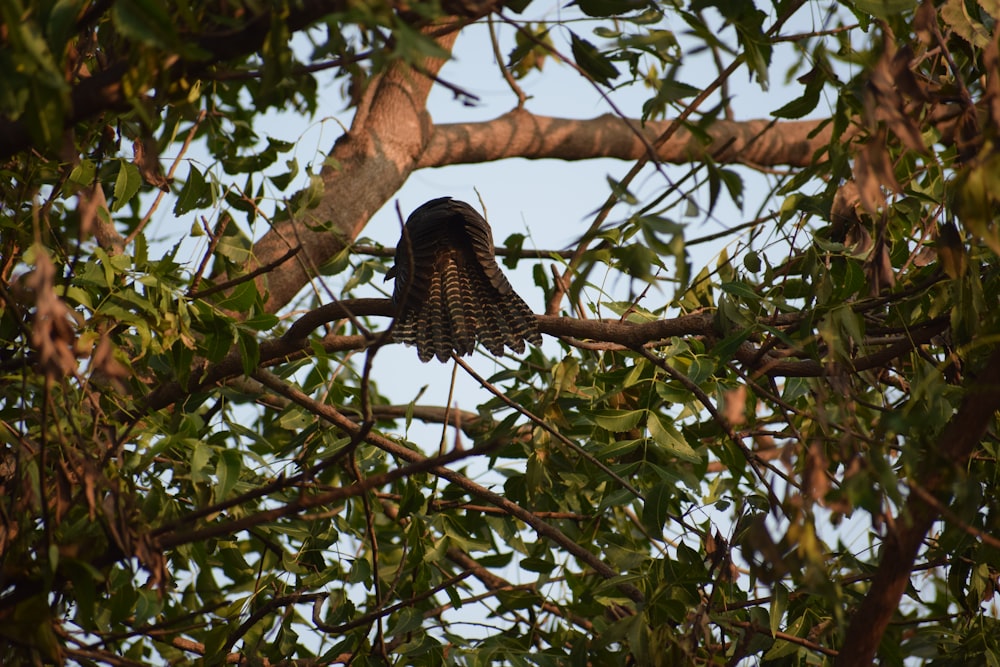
(523, 134)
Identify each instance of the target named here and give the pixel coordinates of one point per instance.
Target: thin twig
(385, 611)
(170, 175)
(548, 427)
(238, 75)
(208, 291)
(784, 636)
(213, 242)
(507, 76)
(951, 517)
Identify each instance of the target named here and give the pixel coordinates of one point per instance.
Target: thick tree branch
(373, 160)
(392, 136)
(526, 135)
(951, 451)
(295, 344)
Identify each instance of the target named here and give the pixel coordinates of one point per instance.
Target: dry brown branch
(295, 345)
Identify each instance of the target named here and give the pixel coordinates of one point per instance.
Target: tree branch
(522, 134)
(295, 344)
(542, 528)
(949, 452)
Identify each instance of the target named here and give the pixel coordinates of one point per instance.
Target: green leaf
(656, 509)
(603, 8)
(618, 421)
(672, 90)
(779, 604)
(196, 193)
(227, 471)
(126, 185)
(308, 198)
(532, 45)
(514, 243)
(261, 321)
(84, 578)
(249, 352)
(62, 23)
(956, 15)
(537, 565)
(282, 181)
(147, 606)
(666, 436)
(145, 21)
(784, 648)
(805, 104)
(621, 192)
(617, 448)
(219, 339)
(200, 456)
(517, 6)
(235, 245)
(511, 600)
(884, 9)
(80, 296)
(406, 621)
(597, 65)
(83, 174)
(241, 298)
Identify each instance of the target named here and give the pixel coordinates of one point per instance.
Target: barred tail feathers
(450, 292)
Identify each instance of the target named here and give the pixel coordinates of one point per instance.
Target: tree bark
(372, 161)
(523, 134)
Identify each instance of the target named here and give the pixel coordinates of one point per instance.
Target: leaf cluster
(712, 468)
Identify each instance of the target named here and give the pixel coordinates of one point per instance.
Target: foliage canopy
(787, 456)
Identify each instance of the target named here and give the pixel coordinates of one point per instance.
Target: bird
(449, 291)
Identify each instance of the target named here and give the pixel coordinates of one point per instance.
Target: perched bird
(449, 291)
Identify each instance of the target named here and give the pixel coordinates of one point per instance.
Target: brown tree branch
(373, 159)
(783, 636)
(520, 133)
(949, 452)
(295, 345)
(542, 528)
